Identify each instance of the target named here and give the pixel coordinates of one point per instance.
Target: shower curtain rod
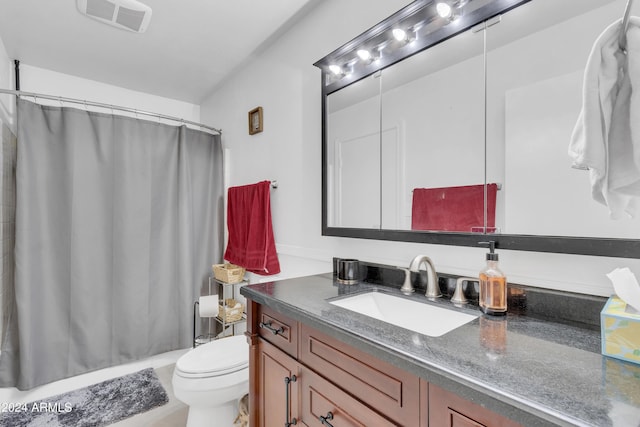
(622, 41)
(106, 106)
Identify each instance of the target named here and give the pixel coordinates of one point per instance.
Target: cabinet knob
(325, 420)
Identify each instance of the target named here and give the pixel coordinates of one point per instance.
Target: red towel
(251, 243)
(453, 208)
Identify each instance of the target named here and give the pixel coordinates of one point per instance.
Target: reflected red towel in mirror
(453, 208)
(251, 242)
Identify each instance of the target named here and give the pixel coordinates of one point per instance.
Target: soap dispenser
(493, 285)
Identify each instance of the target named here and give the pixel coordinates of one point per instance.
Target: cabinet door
(325, 405)
(449, 410)
(278, 393)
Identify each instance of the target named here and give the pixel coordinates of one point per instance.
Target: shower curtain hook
(60, 101)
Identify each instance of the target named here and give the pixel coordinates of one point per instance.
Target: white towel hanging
(605, 139)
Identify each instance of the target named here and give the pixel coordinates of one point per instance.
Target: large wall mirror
(477, 120)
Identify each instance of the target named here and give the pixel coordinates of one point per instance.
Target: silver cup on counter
(348, 271)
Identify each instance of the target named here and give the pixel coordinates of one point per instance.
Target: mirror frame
(595, 246)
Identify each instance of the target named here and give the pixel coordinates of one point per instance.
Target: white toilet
(211, 379)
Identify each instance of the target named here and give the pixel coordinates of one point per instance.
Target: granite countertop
(533, 371)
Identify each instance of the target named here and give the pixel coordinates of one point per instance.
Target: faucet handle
(458, 297)
(407, 286)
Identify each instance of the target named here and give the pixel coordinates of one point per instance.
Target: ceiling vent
(126, 14)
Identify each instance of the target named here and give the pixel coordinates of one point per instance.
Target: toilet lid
(219, 357)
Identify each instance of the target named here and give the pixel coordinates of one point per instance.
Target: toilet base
(223, 415)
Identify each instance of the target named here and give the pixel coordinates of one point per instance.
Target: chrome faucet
(407, 286)
(433, 289)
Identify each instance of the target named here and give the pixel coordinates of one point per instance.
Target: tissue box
(620, 327)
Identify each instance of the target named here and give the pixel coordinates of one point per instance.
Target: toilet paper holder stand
(211, 335)
(202, 338)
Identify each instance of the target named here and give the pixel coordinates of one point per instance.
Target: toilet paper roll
(209, 306)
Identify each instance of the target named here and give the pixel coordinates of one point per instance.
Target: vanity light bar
(444, 10)
(416, 27)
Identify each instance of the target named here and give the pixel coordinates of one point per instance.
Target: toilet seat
(217, 358)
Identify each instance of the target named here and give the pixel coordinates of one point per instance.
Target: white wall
(284, 82)
(7, 102)
(40, 80)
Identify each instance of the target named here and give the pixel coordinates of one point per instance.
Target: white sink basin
(419, 317)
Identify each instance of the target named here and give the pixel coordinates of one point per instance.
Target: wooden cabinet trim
(254, 364)
(393, 392)
(448, 409)
(352, 367)
(457, 419)
(287, 337)
(424, 403)
(320, 397)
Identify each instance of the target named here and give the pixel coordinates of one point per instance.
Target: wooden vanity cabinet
(273, 369)
(300, 376)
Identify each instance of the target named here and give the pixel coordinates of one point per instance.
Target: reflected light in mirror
(335, 69)
(444, 10)
(364, 54)
(400, 34)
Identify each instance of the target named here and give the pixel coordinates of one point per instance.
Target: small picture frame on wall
(255, 121)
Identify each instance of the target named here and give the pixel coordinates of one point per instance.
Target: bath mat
(93, 406)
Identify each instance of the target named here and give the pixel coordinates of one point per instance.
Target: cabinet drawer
(392, 391)
(320, 398)
(449, 410)
(279, 330)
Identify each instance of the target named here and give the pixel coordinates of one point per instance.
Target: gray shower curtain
(118, 221)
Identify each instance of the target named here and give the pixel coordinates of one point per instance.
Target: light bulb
(364, 54)
(399, 34)
(444, 10)
(335, 69)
